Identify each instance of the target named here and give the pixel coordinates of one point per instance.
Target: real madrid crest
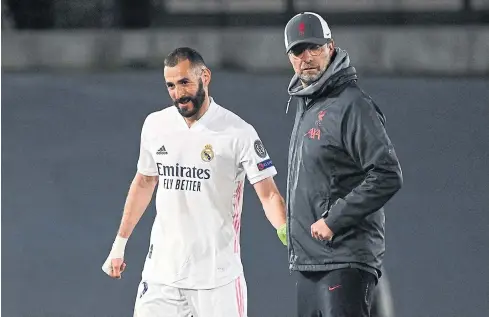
(207, 153)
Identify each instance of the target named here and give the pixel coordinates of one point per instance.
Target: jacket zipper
(296, 137)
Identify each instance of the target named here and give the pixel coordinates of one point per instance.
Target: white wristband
(118, 247)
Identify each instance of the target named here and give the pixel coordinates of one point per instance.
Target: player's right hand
(114, 267)
(114, 264)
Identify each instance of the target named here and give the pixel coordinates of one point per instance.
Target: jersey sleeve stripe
(237, 216)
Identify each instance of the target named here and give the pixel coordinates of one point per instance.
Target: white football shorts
(159, 300)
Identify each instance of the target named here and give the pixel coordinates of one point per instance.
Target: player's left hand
(282, 233)
(321, 231)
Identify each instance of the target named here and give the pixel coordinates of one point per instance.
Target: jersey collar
(205, 119)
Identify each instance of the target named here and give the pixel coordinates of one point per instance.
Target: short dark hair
(184, 53)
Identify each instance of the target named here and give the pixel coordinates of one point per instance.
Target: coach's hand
(114, 264)
(321, 231)
(282, 233)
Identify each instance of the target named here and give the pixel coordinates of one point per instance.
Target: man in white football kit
(199, 154)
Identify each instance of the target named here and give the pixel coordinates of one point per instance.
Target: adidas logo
(162, 150)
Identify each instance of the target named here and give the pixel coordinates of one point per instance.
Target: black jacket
(342, 167)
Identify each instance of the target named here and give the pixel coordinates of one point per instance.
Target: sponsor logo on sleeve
(264, 164)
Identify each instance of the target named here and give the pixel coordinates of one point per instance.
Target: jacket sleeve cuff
(333, 217)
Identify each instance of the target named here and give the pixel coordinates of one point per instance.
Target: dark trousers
(382, 302)
(339, 293)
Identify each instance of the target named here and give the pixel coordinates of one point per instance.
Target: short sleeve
(254, 157)
(146, 164)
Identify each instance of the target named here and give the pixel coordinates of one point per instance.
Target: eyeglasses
(313, 49)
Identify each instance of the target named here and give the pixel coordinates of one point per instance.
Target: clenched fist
(114, 267)
(114, 264)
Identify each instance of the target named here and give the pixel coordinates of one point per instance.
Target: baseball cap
(306, 27)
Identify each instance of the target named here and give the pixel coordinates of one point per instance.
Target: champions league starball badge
(260, 149)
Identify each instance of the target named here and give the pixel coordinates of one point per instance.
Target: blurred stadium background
(383, 36)
(79, 77)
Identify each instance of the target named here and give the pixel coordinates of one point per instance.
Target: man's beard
(192, 103)
(311, 78)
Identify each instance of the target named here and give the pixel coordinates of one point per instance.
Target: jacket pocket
(323, 206)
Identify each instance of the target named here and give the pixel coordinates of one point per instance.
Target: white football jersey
(195, 236)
